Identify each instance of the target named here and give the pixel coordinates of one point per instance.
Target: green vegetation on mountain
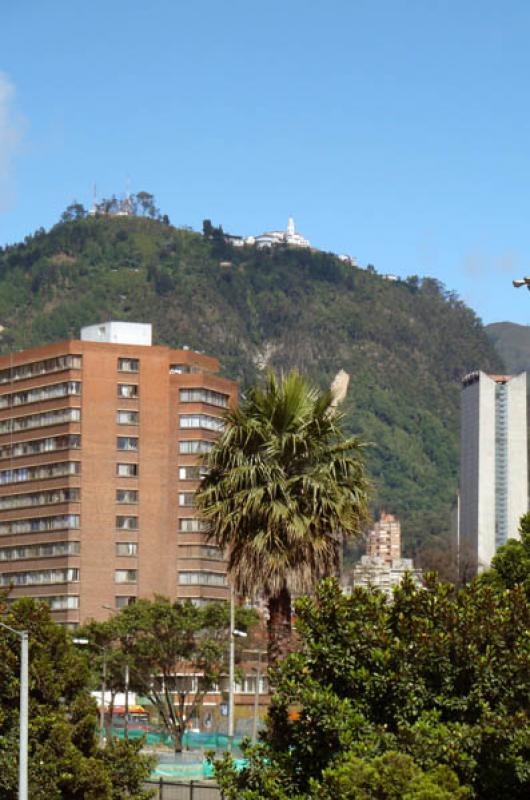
(405, 344)
(512, 342)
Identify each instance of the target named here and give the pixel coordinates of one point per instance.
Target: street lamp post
(232, 666)
(126, 682)
(126, 723)
(24, 704)
(103, 649)
(519, 282)
(257, 669)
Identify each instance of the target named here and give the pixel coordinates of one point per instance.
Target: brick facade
(64, 449)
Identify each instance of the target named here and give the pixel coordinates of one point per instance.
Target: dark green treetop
(439, 676)
(64, 758)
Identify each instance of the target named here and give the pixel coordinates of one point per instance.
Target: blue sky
(397, 131)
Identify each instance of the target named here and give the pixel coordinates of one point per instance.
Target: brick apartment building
(384, 540)
(100, 444)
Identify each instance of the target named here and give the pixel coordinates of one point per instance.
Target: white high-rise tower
(493, 465)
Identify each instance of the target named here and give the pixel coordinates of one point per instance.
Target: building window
(127, 443)
(39, 498)
(127, 523)
(128, 365)
(38, 524)
(195, 446)
(200, 602)
(127, 470)
(50, 550)
(202, 421)
(187, 499)
(61, 602)
(128, 390)
(126, 496)
(56, 417)
(126, 549)
(185, 369)
(39, 577)
(125, 575)
(40, 393)
(127, 417)
(200, 551)
(122, 601)
(36, 446)
(24, 371)
(204, 396)
(202, 579)
(39, 473)
(192, 525)
(248, 686)
(192, 473)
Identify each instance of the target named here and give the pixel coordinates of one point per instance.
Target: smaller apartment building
(100, 447)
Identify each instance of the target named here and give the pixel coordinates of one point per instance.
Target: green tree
(108, 205)
(438, 676)
(284, 485)
(73, 211)
(104, 645)
(146, 202)
(65, 762)
(511, 564)
(176, 652)
(391, 776)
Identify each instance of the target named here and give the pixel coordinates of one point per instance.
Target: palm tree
(284, 485)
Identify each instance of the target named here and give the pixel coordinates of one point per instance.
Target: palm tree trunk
(279, 625)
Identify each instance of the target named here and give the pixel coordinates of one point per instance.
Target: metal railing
(177, 790)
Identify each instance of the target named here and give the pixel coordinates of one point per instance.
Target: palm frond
(283, 483)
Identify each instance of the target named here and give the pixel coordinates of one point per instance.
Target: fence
(190, 740)
(193, 790)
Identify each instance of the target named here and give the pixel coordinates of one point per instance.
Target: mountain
(406, 344)
(512, 343)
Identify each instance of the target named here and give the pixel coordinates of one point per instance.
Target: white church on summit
(288, 236)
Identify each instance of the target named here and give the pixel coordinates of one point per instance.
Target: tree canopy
(176, 652)
(64, 758)
(438, 677)
(511, 564)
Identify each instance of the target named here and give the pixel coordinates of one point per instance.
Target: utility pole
(84, 643)
(231, 670)
(256, 700)
(126, 725)
(103, 690)
(232, 666)
(24, 708)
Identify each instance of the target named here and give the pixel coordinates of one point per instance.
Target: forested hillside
(406, 344)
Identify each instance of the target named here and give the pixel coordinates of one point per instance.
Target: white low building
(288, 236)
(373, 572)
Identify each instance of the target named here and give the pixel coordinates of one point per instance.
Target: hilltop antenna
(94, 208)
(127, 205)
